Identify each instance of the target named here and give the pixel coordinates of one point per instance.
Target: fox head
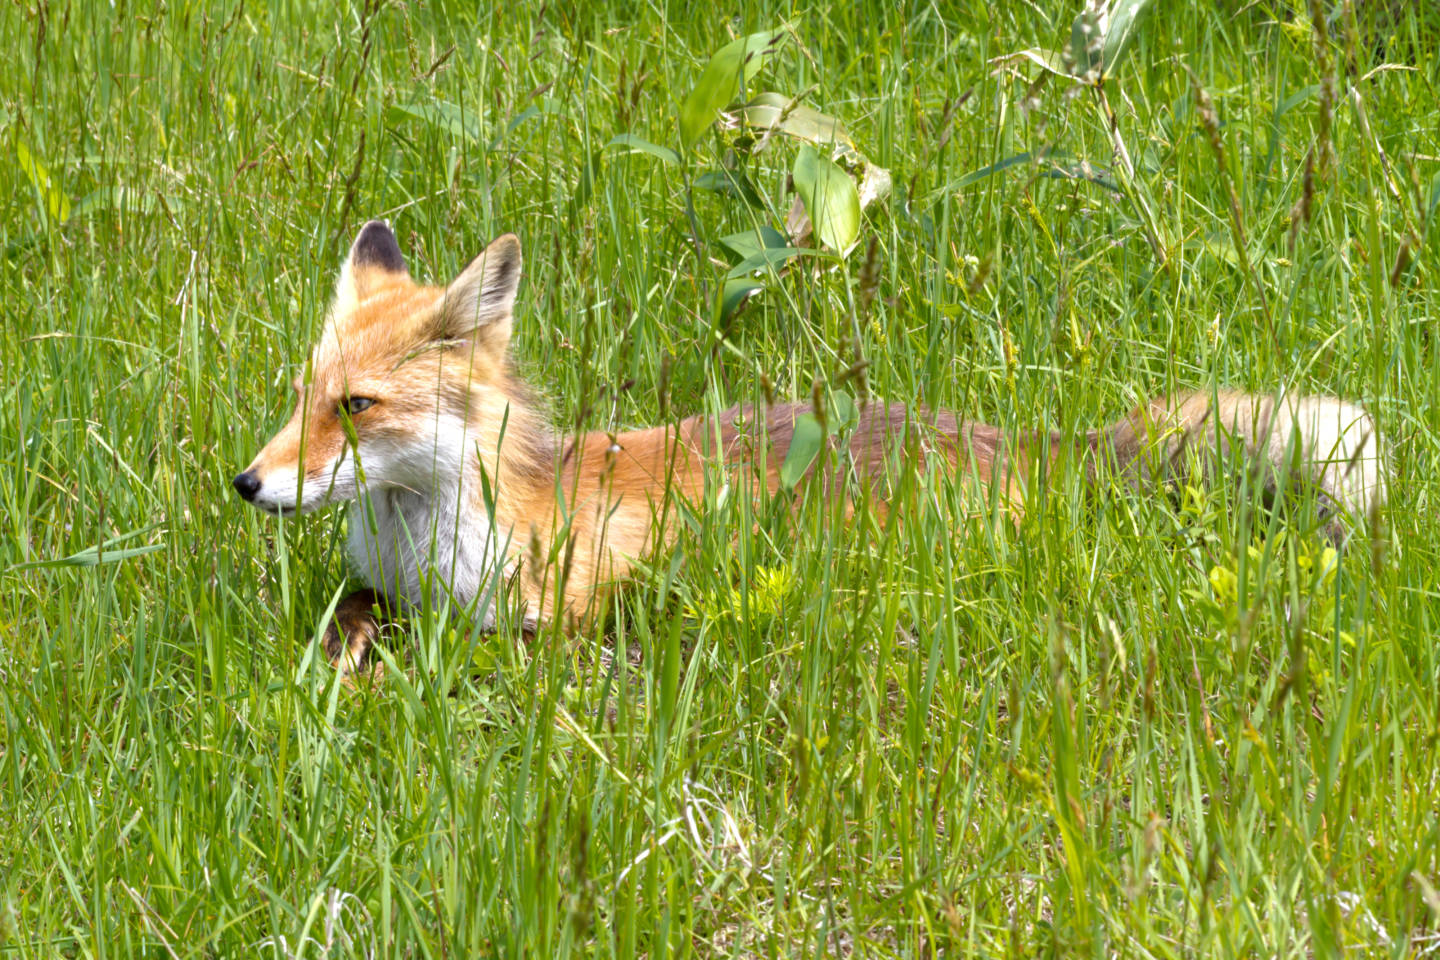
(406, 382)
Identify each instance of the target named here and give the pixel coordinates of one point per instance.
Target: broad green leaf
(1047, 60)
(748, 243)
(830, 198)
(768, 110)
(637, 145)
(723, 79)
(546, 107)
(1295, 99)
(731, 183)
(57, 205)
(806, 441)
(1124, 18)
(736, 292)
(843, 411)
(484, 656)
(774, 112)
(770, 257)
(1100, 38)
(976, 175)
(460, 123)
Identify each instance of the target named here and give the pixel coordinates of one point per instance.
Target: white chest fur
(421, 549)
(423, 535)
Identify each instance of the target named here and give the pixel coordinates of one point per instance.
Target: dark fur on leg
(353, 631)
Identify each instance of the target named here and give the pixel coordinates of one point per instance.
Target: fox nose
(247, 485)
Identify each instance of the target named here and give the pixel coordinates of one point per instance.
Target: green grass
(1127, 726)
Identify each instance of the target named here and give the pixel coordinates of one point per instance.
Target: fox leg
(353, 630)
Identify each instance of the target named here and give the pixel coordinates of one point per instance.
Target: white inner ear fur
(347, 296)
(483, 296)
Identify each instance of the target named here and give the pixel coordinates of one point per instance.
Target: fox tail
(1324, 444)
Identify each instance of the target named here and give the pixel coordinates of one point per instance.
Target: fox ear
(479, 302)
(374, 260)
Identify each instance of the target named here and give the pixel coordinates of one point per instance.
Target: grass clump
(1129, 725)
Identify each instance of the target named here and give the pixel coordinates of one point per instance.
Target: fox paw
(352, 631)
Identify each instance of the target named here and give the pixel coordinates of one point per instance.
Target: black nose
(247, 484)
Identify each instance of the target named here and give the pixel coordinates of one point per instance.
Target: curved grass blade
(98, 554)
(637, 145)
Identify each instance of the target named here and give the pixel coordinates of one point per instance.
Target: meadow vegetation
(1161, 725)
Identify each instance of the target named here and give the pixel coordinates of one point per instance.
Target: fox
(413, 412)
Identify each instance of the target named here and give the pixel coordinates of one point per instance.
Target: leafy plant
(1101, 36)
(724, 78)
(829, 197)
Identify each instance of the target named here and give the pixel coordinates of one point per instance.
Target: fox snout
(246, 484)
(277, 492)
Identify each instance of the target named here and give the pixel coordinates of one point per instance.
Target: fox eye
(354, 405)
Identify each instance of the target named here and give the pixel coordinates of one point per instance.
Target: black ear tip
(376, 246)
(507, 248)
(501, 263)
(374, 231)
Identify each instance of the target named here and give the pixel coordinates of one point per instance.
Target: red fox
(413, 409)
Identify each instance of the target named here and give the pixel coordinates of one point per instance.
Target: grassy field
(1127, 726)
